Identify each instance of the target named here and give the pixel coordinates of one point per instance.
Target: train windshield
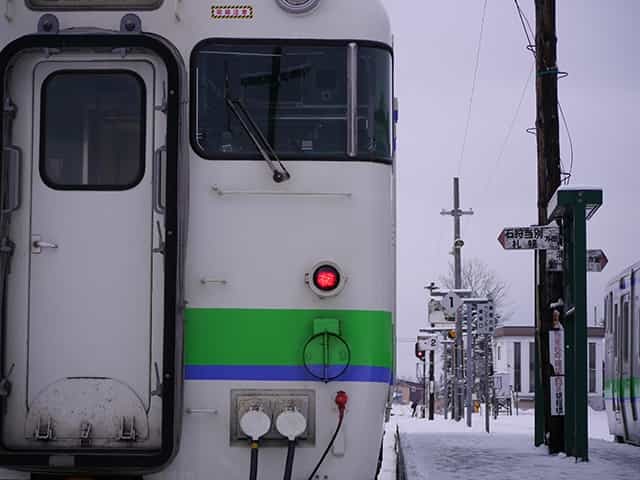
(296, 94)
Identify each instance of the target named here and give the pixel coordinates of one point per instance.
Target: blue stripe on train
(286, 373)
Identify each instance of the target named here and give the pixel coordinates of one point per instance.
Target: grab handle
(11, 166)
(158, 183)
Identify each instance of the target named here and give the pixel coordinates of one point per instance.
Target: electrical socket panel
(272, 402)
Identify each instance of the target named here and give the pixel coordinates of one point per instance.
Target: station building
(514, 354)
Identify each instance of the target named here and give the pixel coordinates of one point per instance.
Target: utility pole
(457, 213)
(424, 386)
(487, 340)
(548, 284)
(432, 359)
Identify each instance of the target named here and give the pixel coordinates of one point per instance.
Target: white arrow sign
(530, 238)
(451, 302)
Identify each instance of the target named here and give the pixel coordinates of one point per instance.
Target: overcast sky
(435, 51)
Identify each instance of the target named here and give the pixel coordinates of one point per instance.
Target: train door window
(626, 337)
(592, 367)
(616, 331)
(610, 306)
(93, 125)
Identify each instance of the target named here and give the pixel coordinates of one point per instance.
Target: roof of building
(521, 331)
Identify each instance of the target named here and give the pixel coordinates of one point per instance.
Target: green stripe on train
(624, 384)
(220, 336)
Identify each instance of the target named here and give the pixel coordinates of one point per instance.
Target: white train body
(158, 282)
(622, 357)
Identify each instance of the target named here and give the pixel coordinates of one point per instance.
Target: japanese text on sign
(530, 238)
(557, 396)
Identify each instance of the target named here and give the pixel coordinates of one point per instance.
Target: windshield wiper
(280, 173)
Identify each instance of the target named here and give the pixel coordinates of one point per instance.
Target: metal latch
(44, 431)
(37, 245)
(85, 433)
(127, 429)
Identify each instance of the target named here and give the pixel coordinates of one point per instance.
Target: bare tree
(482, 281)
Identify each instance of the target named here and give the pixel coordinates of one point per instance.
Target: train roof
(633, 267)
(185, 23)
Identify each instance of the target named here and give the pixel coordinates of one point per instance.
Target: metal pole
(446, 382)
(457, 255)
(432, 357)
(424, 393)
(486, 383)
(470, 372)
(456, 213)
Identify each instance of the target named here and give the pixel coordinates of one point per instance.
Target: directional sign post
(596, 260)
(530, 238)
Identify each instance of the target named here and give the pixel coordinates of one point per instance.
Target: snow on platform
(448, 450)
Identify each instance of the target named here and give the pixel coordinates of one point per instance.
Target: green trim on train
(223, 336)
(623, 386)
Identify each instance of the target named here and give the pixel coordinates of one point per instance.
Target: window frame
(532, 367)
(517, 367)
(592, 352)
(143, 129)
(78, 8)
(342, 157)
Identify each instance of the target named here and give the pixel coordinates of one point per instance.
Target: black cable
(523, 19)
(333, 439)
(288, 467)
(253, 471)
(566, 128)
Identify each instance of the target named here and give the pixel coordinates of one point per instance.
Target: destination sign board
(530, 238)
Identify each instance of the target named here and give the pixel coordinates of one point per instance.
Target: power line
(525, 23)
(503, 147)
(566, 128)
(473, 88)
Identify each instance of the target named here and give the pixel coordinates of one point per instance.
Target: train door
(85, 296)
(634, 363)
(617, 366)
(624, 350)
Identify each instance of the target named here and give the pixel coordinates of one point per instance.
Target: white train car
(622, 357)
(196, 238)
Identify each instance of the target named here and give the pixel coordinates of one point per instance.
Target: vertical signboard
(556, 357)
(556, 351)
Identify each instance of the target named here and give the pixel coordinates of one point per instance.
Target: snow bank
(448, 450)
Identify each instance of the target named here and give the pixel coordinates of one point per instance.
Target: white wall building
(514, 353)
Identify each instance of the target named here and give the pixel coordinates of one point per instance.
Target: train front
(290, 267)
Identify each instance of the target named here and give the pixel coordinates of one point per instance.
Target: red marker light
(326, 278)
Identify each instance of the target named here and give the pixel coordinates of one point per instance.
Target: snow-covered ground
(448, 450)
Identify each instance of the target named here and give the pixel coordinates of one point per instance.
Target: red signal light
(326, 278)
